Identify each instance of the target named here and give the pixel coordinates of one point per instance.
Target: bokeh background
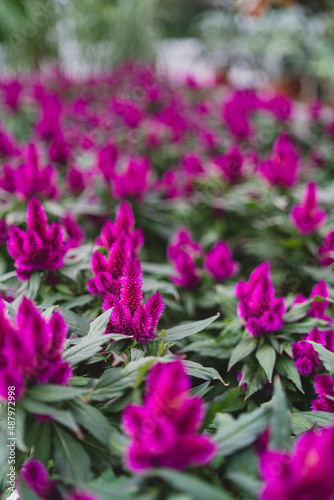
(285, 44)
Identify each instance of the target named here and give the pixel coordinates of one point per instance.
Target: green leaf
(63, 417)
(241, 432)
(327, 357)
(305, 326)
(205, 373)
(189, 484)
(26, 493)
(298, 311)
(99, 325)
(183, 331)
(300, 424)
(49, 393)
(286, 367)
(280, 421)
(75, 323)
(321, 418)
(242, 350)
(71, 460)
(86, 348)
(92, 420)
(266, 357)
(34, 284)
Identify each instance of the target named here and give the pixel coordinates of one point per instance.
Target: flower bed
(166, 259)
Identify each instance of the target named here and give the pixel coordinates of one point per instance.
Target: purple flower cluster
(303, 474)
(317, 308)
(183, 251)
(30, 178)
(30, 350)
(326, 250)
(258, 307)
(41, 247)
(306, 217)
(121, 241)
(324, 387)
(282, 167)
(230, 165)
(164, 431)
(306, 358)
(129, 316)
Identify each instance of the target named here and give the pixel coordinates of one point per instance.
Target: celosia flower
(41, 247)
(282, 167)
(75, 181)
(133, 181)
(323, 386)
(258, 307)
(106, 161)
(306, 217)
(128, 110)
(306, 358)
(185, 266)
(164, 431)
(30, 178)
(129, 316)
(30, 349)
(305, 473)
(125, 222)
(183, 241)
(75, 234)
(36, 477)
(317, 308)
(326, 250)
(192, 165)
(280, 106)
(7, 146)
(236, 112)
(12, 93)
(51, 108)
(219, 263)
(59, 149)
(231, 165)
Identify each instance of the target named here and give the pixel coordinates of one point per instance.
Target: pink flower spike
(307, 218)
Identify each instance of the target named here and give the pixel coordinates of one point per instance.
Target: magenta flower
(258, 307)
(326, 250)
(51, 108)
(7, 145)
(106, 161)
(133, 181)
(306, 358)
(164, 431)
(323, 386)
(74, 233)
(59, 149)
(219, 263)
(36, 477)
(231, 165)
(125, 222)
(305, 473)
(192, 165)
(185, 266)
(30, 349)
(30, 178)
(75, 180)
(306, 217)
(12, 93)
(282, 167)
(129, 316)
(128, 110)
(317, 309)
(41, 247)
(280, 106)
(183, 241)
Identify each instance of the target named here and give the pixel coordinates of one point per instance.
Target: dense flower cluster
(164, 431)
(305, 473)
(122, 242)
(129, 316)
(306, 358)
(258, 307)
(31, 349)
(282, 167)
(41, 247)
(306, 217)
(317, 308)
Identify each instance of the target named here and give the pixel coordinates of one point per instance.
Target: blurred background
(282, 44)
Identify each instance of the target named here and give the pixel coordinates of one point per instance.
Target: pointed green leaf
(266, 357)
(183, 331)
(327, 357)
(242, 350)
(280, 421)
